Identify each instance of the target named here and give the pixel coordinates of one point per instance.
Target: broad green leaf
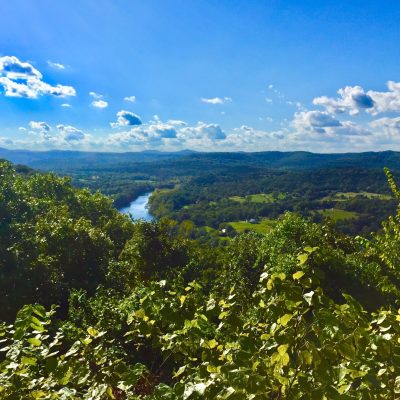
(35, 341)
(297, 275)
(285, 319)
(302, 258)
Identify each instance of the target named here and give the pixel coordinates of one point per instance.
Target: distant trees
(209, 199)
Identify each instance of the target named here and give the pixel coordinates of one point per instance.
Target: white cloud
(95, 95)
(323, 123)
(202, 130)
(250, 139)
(386, 101)
(331, 129)
(39, 126)
(41, 129)
(388, 126)
(70, 133)
(173, 134)
(216, 100)
(43, 136)
(55, 65)
(21, 79)
(126, 118)
(66, 105)
(316, 121)
(99, 104)
(131, 99)
(353, 99)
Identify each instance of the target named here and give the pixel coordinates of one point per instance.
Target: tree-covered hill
(217, 200)
(57, 160)
(142, 311)
(344, 187)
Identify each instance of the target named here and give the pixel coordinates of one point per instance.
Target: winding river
(139, 208)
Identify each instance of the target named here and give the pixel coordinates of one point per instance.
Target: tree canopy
(96, 306)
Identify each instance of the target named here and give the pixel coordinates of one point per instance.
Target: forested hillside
(223, 191)
(96, 306)
(356, 199)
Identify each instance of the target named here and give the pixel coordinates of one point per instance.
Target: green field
(258, 198)
(263, 226)
(336, 214)
(343, 196)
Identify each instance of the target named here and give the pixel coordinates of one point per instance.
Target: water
(139, 208)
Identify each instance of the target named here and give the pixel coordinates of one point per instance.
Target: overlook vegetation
(96, 306)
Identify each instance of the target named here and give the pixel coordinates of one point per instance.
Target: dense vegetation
(143, 311)
(359, 198)
(214, 188)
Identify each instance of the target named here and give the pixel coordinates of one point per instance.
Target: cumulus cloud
(99, 104)
(251, 139)
(172, 134)
(321, 122)
(66, 105)
(64, 136)
(126, 118)
(386, 101)
(353, 99)
(216, 100)
(97, 100)
(40, 129)
(55, 65)
(70, 133)
(155, 133)
(314, 120)
(21, 79)
(131, 99)
(203, 130)
(39, 126)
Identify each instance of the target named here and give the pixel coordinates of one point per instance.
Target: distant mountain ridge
(67, 160)
(55, 159)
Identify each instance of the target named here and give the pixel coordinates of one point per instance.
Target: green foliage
(301, 312)
(356, 199)
(178, 342)
(53, 238)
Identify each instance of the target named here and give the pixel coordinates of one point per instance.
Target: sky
(206, 75)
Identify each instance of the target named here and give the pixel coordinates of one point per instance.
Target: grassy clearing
(343, 196)
(336, 214)
(164, 190)
(258, 198)
(263, 226)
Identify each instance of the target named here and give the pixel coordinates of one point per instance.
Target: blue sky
(231, 75)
